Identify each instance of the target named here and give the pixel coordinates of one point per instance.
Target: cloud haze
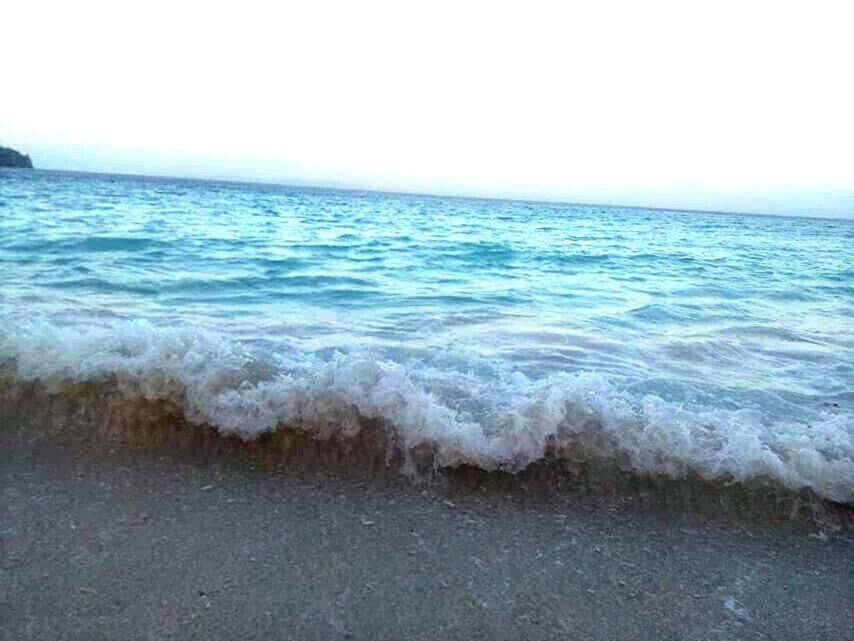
(741, 106)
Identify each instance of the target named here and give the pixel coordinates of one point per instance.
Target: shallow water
(719, 344)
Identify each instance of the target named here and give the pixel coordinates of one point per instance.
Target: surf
(429, 419)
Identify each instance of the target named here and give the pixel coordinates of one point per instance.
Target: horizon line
(233, 180)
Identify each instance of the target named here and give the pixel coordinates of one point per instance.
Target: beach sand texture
(103, 540)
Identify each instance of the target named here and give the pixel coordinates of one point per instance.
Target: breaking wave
(506, 421)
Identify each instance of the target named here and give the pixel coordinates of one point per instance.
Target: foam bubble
(504, 421)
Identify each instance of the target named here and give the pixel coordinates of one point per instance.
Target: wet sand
(101, 541)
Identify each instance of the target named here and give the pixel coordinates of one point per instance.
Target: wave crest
(506, 422)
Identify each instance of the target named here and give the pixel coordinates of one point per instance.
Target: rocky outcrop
(11, 158)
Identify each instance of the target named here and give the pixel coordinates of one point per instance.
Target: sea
(711, 345)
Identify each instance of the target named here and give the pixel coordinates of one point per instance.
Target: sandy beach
(105, 541)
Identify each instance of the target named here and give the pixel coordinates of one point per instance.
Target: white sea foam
(500, 422)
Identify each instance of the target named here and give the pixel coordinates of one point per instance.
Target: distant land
(11, 158)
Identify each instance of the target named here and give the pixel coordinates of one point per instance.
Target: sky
(739, 106)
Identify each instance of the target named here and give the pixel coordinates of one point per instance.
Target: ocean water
(677, 343)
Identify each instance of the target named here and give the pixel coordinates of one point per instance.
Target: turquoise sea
(677, 343)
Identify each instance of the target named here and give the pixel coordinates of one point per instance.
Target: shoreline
(97, 414)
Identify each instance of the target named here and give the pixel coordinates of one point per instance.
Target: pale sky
(745, 106)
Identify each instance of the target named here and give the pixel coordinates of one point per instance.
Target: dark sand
(100, 541)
